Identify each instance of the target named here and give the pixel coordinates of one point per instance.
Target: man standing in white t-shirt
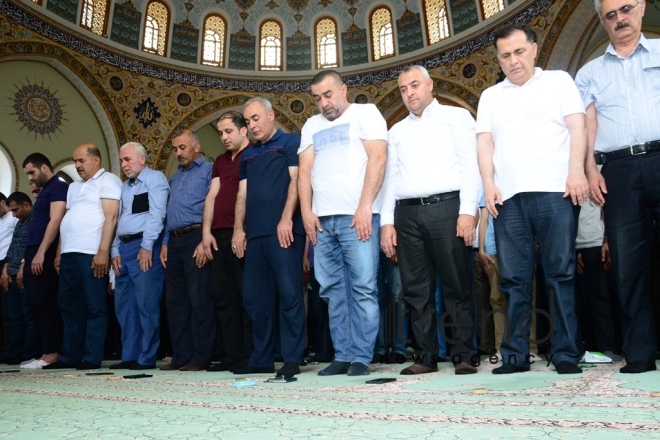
(86, 234)
(532, 142)
(342, 159)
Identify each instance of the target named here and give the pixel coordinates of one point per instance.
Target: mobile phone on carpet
(138, 376)
(381, 381)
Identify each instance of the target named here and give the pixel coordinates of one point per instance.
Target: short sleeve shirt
(54, 191)
(227, 171)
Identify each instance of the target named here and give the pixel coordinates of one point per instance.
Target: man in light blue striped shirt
(621, 90)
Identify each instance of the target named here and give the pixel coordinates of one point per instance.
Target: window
(7, 174)
(437, 23)
(491, 7)
(271, 46)
(94, 15)
(326, 44)
(214, 41)
(382, 34)
(156, 25)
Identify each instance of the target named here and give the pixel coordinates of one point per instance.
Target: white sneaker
(36, 365)
(28, 361)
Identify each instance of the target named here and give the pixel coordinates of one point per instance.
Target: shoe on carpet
(192, 366)
(170, 367)
(565, 367)
(638, 367)
(615, 357)
(58, 365)
(336, 367)
(509, 369)
(379, 358)
(29, 361)
(36, 364)
(249, 369)
(289, 369)
(222, 366)
(86, 365)
(396, 358)
(138, 366)
(418, 369)
(358, 369)
(464, 368)
(123, 365)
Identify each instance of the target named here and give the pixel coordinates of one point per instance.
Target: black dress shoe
(170, 367)
(192, 366)
(289, 369)
(249, 369)
(565, 367)
(86, 365)
(58, 365)
(336, 367)
(123, 365)
(509, 369)
(358, 369)
(222, 366)
(138, 366)
(638, 367)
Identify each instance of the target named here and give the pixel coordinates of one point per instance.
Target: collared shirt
(16, 250)
(432, 154)
(266, 168)
(188, 188)
(53, 191)
(82, 225)
(528, 126)
(226, 169)
(7, 224)
(626, 93)
(142, 208)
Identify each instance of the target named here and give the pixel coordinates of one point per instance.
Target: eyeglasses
(623, 11)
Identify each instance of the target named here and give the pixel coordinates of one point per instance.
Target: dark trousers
(485, 325)
(189, 302)
(632, 211)
(318, 323)
(552, 220)
(230, 314)
(593, 299)
(42, 292)
(24, 337)
(84, 311)
(273, 276)
(428, 246)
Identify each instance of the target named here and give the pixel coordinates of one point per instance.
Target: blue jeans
(389, 282)
(552, 220)
(23, 337)
(346, 268)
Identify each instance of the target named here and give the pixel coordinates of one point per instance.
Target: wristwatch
(23, 261)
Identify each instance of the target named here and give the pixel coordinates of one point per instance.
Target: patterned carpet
(599, 404)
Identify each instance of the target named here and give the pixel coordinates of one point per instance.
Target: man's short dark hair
(93, 151)
(3, 198)
(19, 198)
(37, 160)
(319, 77)
(236, 118)
(506, 31)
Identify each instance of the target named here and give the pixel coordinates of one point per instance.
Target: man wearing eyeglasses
(621, 90)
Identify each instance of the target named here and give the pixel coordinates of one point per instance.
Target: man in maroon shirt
(217, 230)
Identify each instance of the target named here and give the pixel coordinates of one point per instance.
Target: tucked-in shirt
(188, 188)
(432, 154)
(53, 191)
(226, 169)
(532, 141)
(340, 159)
(16, 251)
(626, 93)
(7, 225)
(142, 208)
(266, 168)
(82, 224)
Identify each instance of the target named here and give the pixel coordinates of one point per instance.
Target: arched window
(7, 174)
(156, 24)
(326, 44)
(491, 7)
(271, 46)
(215, 37)
(382, 36)
(437, 23)
(95, 15)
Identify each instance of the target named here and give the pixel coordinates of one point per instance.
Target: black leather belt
(183, 231)
(630, 150)
(129, 238)
(435, 198)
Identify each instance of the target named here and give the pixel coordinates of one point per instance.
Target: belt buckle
(632, 149)
(600, 157)
(421, 199)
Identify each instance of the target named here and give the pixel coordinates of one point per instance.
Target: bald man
(86, 234)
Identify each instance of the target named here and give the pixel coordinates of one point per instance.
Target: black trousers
(318, 323)
(189, 302)
(632, 212)
(427, 245)
(230, 314)
(42, 293)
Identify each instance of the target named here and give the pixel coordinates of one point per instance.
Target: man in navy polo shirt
(39, 274)
(268, 221)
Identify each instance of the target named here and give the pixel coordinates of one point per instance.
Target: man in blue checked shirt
(135, 259)
(621, 91)
(188, 284)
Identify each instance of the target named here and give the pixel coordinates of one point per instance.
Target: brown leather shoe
(464, 368)
(170, 367)
(192, 366)
(418, 369)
